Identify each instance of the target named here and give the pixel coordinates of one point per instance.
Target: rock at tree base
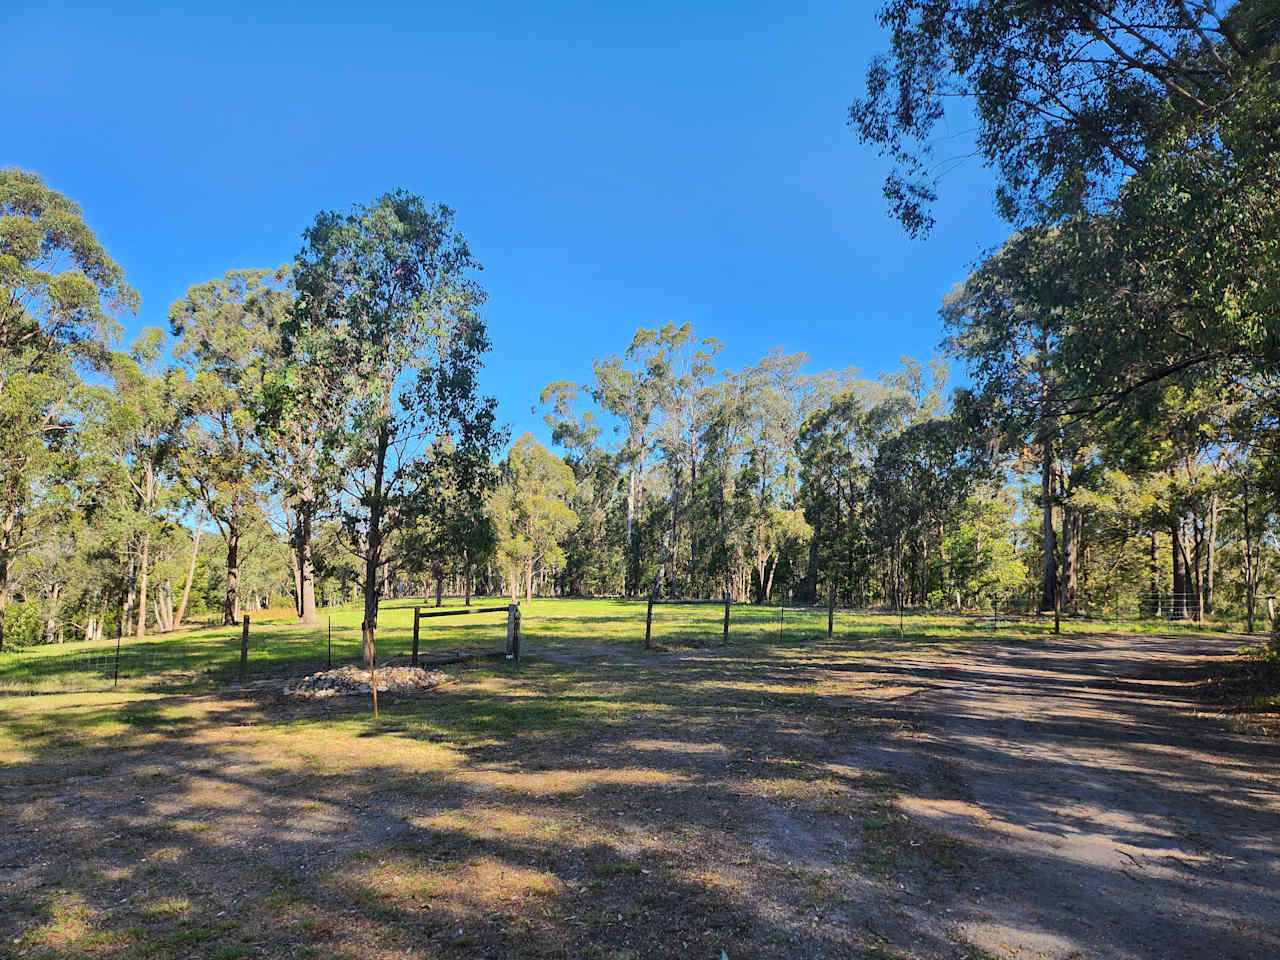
(352, 679)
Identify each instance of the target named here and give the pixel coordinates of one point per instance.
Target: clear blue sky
(613, 165)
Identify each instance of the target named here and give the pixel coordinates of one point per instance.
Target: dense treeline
(316, 431)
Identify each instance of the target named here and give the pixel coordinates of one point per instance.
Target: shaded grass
(1248, 689)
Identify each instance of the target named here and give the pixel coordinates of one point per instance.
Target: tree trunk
(306, 569)
(1178, 605)
(1156, 607)
(191, 572)
(1072, 524)
(51, 620)
(142, 584)
(628, 586)
(675, 531)
(1049, 563)
(373, 541)
(528, 581)
(126, 604)
(466, 575)
(231, 603)
(4, 595)
(1250, 571)
(1211, 553)
(295, 567)
(1194, 575)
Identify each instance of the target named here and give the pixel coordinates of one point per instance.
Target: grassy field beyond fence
(279, 647)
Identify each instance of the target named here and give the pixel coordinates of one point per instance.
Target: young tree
(387, 319)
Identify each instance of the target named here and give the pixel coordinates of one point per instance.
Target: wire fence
(284, 651)
(274, 651)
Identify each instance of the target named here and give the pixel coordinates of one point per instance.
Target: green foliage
(387, 327)
(60, 294)
(531, 513)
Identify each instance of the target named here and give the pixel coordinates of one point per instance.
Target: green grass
(278, 647)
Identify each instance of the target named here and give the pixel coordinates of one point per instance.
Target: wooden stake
(831, 610)
(726, 618)
(648, 623)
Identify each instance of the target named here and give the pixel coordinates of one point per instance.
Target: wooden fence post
(648, 622)
(244, 648)
(416, 620)
(511, 631)
(726, 618)
(831, 611)
(515, 640)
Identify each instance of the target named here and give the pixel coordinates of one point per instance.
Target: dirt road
(1097, 812)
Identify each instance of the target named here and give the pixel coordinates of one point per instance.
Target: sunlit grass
(209, 657)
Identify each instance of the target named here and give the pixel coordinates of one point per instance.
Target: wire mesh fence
(670, 622)
(277, 649)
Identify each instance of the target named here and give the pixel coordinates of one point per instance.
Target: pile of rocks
(353, 679)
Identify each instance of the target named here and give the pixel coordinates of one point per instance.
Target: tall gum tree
(60, 297)
(220, 341)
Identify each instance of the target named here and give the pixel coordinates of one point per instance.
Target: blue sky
(613, 165)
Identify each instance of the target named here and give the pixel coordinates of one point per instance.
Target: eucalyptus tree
(626, 389)
(838, 447)
(221, 341)
(143, 427)
(388, 321)
(532, 514)
(680, 368)
(1154, 118)
(60, 297)
(290, 408)
(597, 556)
(1008, 322)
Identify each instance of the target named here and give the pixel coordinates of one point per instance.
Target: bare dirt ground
(1058, 800)
(1098, 813)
